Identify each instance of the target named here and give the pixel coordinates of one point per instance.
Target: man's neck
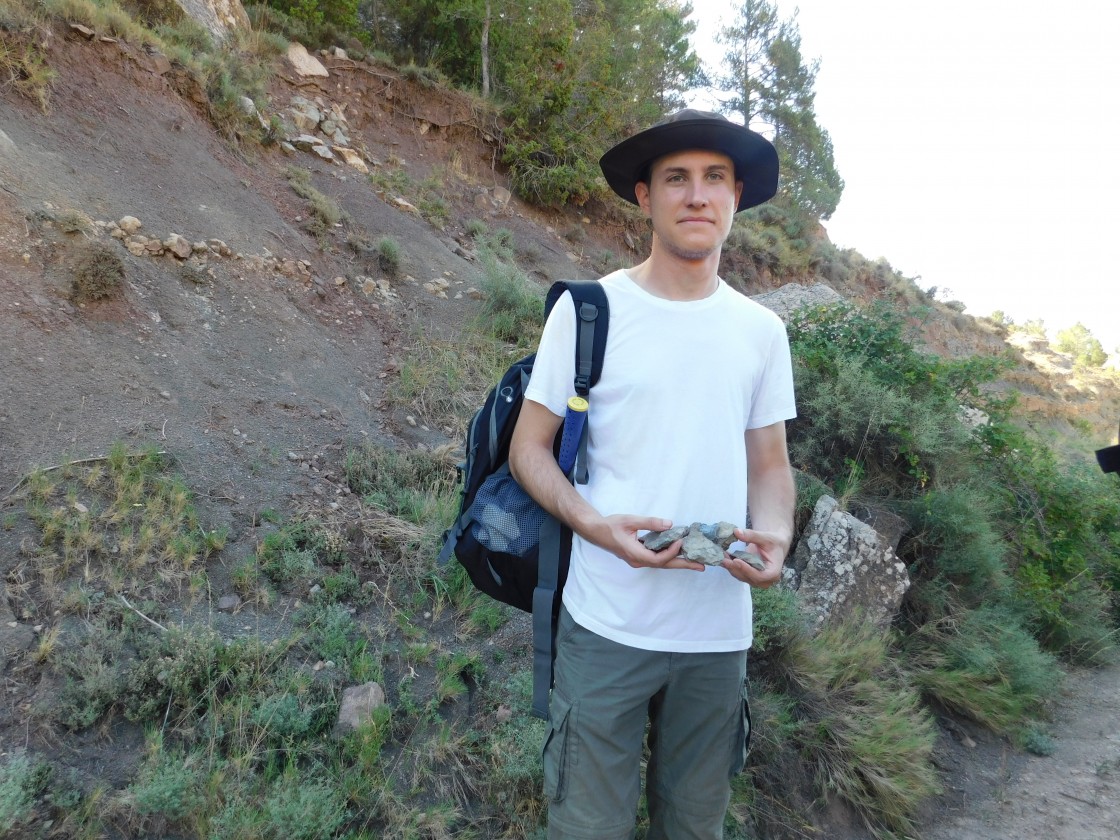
(667, 276)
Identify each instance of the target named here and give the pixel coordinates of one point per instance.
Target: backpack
(512, 549)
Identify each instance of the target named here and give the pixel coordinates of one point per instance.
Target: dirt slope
(293, 361)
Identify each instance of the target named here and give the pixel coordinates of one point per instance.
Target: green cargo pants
(604, 695)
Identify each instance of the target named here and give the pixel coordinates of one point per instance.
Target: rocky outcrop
(220, 17)
(792, 296)
(304, 63)
(843, 568)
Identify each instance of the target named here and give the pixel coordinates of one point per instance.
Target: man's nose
(697, 194)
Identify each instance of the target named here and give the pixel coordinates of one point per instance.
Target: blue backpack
(512, 549)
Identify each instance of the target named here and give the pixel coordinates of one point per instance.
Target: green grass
(124, 523)
(389, 255)
(859, 725)
(325, 212)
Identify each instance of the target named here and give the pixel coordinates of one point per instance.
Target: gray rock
(304, 63)
(700, 549)
(228, 603)
(220, 17)
(358, 705)
(789, 298)
(750, 558)
(843, 567)
(702, 543)
(658, 540)
(722, 533)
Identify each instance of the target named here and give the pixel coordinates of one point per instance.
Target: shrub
(389, 255)
(404, 483)
(859, 725)
(954, 534)
(24, 68)
(1060, 524)
(170, 785)
(303, 809)
(778, 621)
(512, 306)
(869, 398)
(16, 801)
(428, 77)
(98, 272)
(1086, 350)
(187, 33)
(981, 663)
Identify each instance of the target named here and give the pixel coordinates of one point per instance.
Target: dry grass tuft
(98, 273)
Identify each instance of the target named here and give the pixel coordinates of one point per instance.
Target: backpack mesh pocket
(504, 517)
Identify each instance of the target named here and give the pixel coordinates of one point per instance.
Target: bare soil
(257, 380)
(996, 793)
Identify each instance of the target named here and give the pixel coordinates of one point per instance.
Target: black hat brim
(755, 159)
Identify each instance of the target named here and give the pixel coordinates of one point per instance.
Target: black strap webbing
(544, 597)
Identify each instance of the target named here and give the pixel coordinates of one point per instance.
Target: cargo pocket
(558, 748)
(743, 737)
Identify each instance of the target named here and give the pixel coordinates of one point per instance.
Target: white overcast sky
(979, 142)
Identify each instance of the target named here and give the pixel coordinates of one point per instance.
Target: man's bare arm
(533, 464)
(771, 498)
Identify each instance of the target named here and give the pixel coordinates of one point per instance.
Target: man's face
(691, 199)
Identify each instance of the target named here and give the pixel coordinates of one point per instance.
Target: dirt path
(1073, 794)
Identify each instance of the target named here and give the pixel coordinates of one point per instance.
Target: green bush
(868, 398)
(171, 785)
(282, 717)
(403, 482)
(859, 724)
(303, 809)
(982, 664)
(778, 621)
(16, 800)
(1060, 524)
(389, 255)
(954, 534)
(512, 306)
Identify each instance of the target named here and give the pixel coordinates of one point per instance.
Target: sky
(978, 142)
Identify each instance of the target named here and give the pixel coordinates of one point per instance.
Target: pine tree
(769, 83)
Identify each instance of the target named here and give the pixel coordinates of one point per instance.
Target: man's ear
(641, 192)
(738, 192)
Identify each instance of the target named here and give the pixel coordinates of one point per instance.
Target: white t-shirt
(681, 384)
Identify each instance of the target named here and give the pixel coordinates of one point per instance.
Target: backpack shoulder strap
(592, 320)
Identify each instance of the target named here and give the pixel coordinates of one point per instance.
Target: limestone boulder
(789, 298)
(843, 567)
(304, 63)
(220, 17)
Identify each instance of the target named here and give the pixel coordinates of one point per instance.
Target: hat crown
(755, 159)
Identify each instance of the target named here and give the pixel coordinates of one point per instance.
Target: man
(686, 424)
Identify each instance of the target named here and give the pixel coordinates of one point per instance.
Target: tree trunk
(486, 53)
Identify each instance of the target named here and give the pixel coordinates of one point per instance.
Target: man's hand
(618, 534)
(771, 548)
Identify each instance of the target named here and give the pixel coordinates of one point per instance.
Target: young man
(687, 424)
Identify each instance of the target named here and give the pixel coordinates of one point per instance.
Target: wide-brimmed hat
(755, 159)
